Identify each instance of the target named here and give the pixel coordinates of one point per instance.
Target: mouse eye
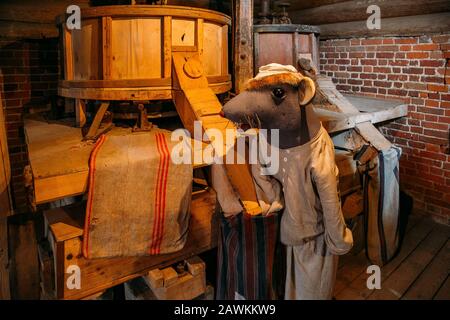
(278, 94)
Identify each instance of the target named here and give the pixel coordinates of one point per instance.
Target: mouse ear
(306, 90)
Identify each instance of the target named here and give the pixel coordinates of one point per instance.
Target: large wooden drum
(125, 52)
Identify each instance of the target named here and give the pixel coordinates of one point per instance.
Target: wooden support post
(243, 43)
(80, 112)
(92, 133)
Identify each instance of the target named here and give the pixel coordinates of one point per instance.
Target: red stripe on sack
(87, 220)
(157, 198)
(164, 191)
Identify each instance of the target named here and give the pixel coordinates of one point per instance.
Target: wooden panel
(86, 50)
(68, 53)
(266, 53)
(212, 45)
(136, 48)
(152, 11)
(303, 43)
(183, 32)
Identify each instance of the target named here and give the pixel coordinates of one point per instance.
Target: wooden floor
(420, 270)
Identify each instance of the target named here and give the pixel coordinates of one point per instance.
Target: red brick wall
(417, 70)
(30, 75)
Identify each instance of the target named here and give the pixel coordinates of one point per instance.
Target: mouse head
(272, 100)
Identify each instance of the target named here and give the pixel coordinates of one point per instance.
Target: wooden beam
(339, 12)
(43, 11)
(27, 30)
(243, 43)
(300, 5)
(400, 26)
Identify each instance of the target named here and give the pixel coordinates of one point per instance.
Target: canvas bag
(381, 205)
(139, 200)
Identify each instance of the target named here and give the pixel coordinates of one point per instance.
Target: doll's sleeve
(325, 173)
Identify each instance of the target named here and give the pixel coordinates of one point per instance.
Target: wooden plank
(60, 160)
(27, 30)
(24, 266)
(133, 94)
(199, 36)
(444, 291)
(86, 50)
(167, 45)
(106, 47)
(337, 121)
(243, 43)
(417, 230)
(339, 12)
(400, 280)
(429, 282)
(68, 53)
(224, 39)
(146, 59)
(372, 135)
(401, 26)
(95, 125)
(354, 266)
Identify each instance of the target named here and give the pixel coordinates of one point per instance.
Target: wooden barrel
(285, 44)
(125, 52)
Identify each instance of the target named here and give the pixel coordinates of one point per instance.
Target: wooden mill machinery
(146, 53)
(135, 56)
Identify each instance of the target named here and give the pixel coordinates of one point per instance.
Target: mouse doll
(312, 225)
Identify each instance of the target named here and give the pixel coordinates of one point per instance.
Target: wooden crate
(65, 236)
(168, 284)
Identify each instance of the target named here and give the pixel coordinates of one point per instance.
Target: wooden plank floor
(420, 271)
